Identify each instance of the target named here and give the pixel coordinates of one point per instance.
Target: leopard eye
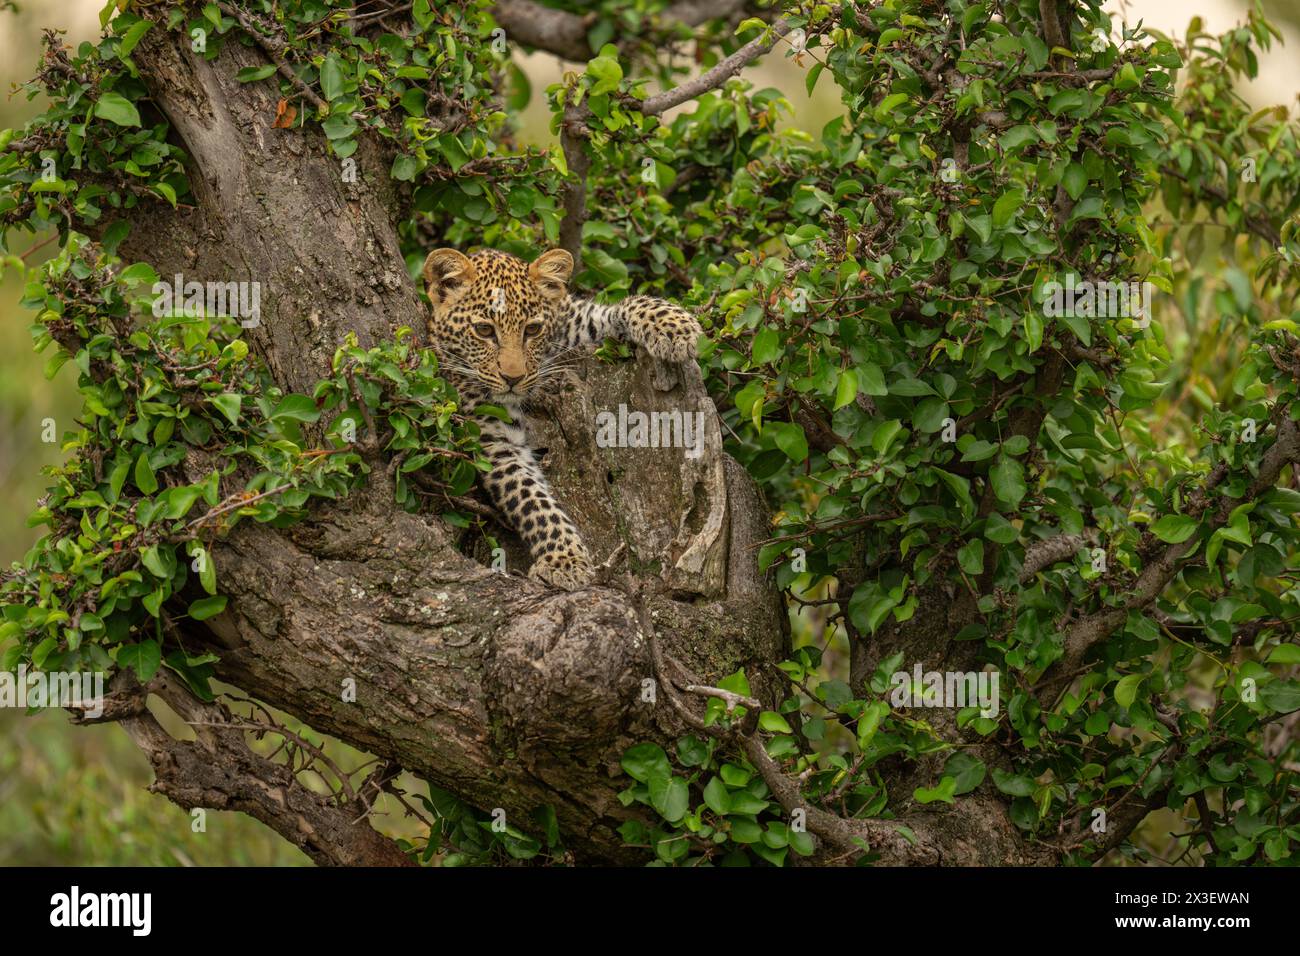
(485, 329)
(532, 329)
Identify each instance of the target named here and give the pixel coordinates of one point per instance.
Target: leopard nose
(511, 380)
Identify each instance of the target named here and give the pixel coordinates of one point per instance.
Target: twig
(712, 79)
(273, 48)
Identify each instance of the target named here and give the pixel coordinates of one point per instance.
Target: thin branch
(1259, 226)
(1043, 554)
(273, 49)
(219, 770)
(714, 78)
(1094, 628)
(896, 841)
(565, 34)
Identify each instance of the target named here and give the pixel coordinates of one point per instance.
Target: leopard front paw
(567, 571)
(669, 333)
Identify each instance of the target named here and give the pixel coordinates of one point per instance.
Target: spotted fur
(504, 330)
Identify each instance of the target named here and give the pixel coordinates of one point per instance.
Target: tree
(930, 351)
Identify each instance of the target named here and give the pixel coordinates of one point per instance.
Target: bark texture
(486, 684)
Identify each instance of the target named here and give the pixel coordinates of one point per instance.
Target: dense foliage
(183, 436)
(880, 334)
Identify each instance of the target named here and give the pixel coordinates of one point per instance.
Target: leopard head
(493, 316)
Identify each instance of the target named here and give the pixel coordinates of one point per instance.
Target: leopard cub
(502, 329)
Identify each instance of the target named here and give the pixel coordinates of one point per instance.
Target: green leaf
(166, 192)
(228, 403)
(773, 722)
(144, 658)
(301, 408)
(766, 347)
(978, 450)
(1008, 204)
(1285, 654)
(116, 108)
(929, 415)
(888, 104)
(790, 439)
(606, 72)
(405, 166)
(966, 771)
(339, 127)
(738, 683)
(715, 797)
(1065, 101)
(646, 762)
(208, 572)
(133, 35)
(207, 607)
(452, 151)
(1033, 330)
(151, 558)
(1075, 181)
(745, 831)
(869, 606)
(153, 602)
(871, 380)
(885, 434)
(252, 74)
(971, 556)
(519, 89)
(1283, 696)
(145, 479)
(1014, 785)
(912, 388)
(1175, 529)
(1016, 137)
(670, 797)
(810, 80)
(181, 499)
(1126, 690)
(1008, 477)
(999, 530)
(732, 775)
(331, 77)
(846, 389)
(870, 720)
(945, 792)
(801, 842)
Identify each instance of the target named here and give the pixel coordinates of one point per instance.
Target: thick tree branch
(219, 771)
(1043, 554)
(370, 624)
(574, 136)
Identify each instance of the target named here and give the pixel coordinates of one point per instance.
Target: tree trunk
(486, 684)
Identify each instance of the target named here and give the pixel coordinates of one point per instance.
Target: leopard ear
(551, 271)
(447, 273)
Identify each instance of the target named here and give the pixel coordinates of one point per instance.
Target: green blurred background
(77, 795)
